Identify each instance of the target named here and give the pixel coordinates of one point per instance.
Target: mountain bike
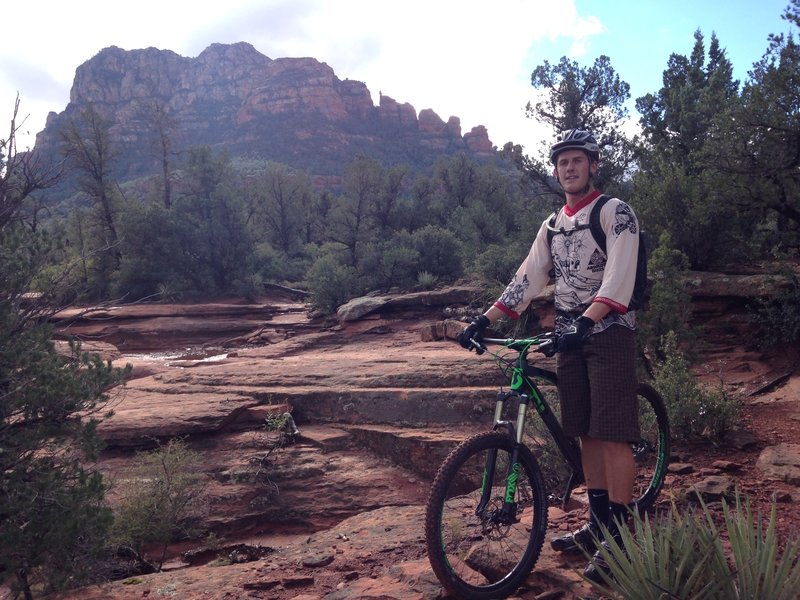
(486, 516)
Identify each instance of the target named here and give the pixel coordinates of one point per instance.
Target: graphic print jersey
(583, 272)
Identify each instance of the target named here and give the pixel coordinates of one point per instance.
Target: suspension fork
(508, 512)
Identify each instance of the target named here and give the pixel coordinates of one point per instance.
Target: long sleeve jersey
(583, 272)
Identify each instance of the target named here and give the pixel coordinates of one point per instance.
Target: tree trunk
(25, 586)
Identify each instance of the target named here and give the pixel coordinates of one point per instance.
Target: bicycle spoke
(483, 536)
(480, 545)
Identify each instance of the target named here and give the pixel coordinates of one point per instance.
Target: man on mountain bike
(597, 346)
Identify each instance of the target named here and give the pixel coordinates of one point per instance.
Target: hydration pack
(640, 285)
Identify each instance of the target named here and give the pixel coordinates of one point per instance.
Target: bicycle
(486, 516)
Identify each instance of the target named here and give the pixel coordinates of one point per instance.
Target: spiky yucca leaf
(681, 555)
(761, 568)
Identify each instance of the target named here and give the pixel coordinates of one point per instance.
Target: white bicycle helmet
(575, 139)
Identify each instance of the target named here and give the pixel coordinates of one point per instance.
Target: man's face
(573, 169)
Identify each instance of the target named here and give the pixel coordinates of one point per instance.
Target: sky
(467, 58)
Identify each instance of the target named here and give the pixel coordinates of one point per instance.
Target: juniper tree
(591, 98)
(678, 188)
(52, 514)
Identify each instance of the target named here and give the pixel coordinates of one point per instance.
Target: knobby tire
(651, 453)
(478, 557)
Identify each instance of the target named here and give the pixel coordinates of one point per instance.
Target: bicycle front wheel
(480, 545)
(651, 451)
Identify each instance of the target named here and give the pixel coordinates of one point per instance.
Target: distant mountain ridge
(295, 111)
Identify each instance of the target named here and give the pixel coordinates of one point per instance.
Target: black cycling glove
(474, 331)
(575, 334)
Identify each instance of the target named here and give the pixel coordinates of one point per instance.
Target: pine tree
(52, 515)
(679, 189)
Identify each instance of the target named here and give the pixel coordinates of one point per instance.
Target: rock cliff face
(291, 110)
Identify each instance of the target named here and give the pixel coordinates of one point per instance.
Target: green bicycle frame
(523, 387)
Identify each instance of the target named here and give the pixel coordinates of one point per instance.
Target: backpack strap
(594, 223)
(551, 223)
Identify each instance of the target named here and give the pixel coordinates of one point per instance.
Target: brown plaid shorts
(597, 387)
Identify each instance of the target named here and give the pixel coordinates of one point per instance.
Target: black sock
(618, 518)
(598, 507)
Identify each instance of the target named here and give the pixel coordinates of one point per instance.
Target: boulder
(782, 462)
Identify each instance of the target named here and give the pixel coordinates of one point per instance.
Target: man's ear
(555, 174)
(593, 166)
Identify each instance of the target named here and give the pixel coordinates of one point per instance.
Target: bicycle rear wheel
(651, 452)
(479, 552)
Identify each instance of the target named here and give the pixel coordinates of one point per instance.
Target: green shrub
(695, 411)
(669, 303)
(684, 555)
(161, 494)
(439, 252)
(331, 284)
(497, 264)
(778, 316)
(390, 263)
(276, 266)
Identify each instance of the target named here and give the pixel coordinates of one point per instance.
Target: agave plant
(684, 555)
(761, 569)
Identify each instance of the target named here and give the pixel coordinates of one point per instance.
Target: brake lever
(549, 348)
(479, 348)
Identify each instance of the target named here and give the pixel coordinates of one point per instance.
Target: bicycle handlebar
(546, 343)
